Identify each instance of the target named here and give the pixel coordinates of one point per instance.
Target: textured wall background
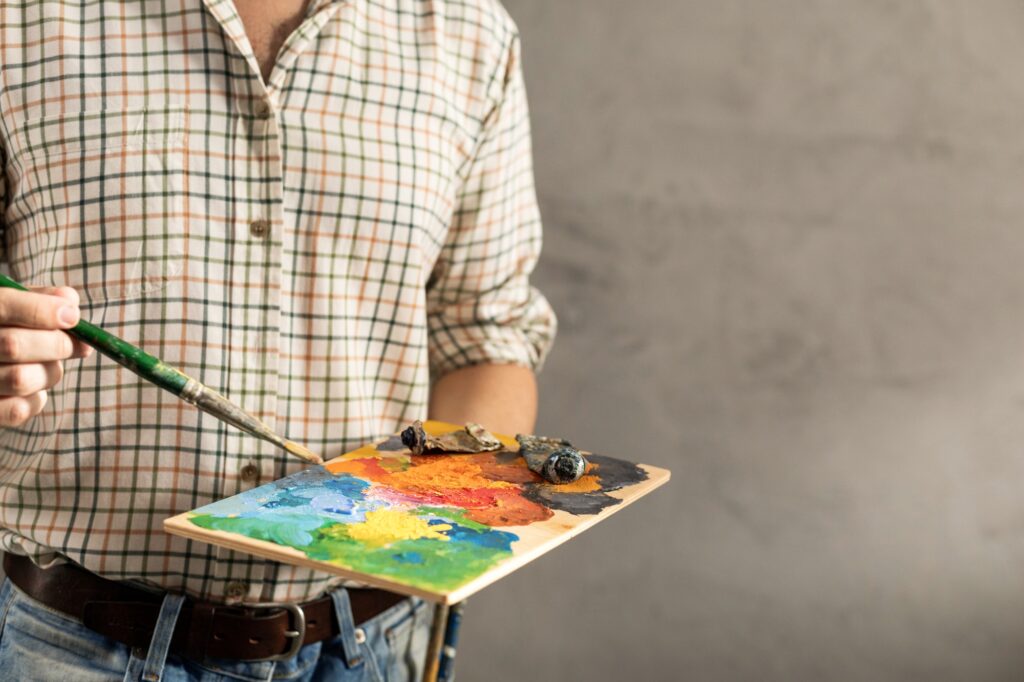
(786, 242)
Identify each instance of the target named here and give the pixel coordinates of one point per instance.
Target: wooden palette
(439, 527)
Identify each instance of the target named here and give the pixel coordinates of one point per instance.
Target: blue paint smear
(347, 485)
(333, 503)
(316, 489)
(488, 539)
(285, 501)
(408, 557)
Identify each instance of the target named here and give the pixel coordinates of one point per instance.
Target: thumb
(82, 349)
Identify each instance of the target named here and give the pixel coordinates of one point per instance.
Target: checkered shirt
(316, 247)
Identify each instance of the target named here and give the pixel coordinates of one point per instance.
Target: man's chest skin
(267, 25)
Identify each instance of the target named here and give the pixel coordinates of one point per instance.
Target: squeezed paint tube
(555, 459)
(473, 438)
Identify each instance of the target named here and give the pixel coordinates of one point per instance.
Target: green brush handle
(153, 370)
(147, 366)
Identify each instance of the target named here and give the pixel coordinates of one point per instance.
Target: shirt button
(262, 108)
(236, 590)
(360, 635)
(259, 228)
(250, 473)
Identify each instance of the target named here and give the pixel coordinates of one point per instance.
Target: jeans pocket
(37, 643)
(97, 201)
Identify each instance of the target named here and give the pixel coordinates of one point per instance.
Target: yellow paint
(385, 526)
(368, 450)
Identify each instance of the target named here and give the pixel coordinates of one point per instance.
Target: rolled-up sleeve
(481, 307)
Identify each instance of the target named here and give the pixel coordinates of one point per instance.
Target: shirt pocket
(98, 201)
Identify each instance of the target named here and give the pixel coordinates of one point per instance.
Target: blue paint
(488, 539)
(333, 503)
(409, 557)
(286, 501)
(347, 485)
(316, 490)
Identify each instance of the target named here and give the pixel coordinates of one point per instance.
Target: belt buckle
(298, 632)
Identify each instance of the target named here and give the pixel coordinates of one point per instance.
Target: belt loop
(343, 609)
(153, 668)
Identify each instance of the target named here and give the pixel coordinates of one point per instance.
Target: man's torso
(274, 242)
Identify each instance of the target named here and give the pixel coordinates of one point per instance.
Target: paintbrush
(155, 371)
(446, 666)
(435, 646)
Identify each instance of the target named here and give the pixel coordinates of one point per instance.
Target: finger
(37, 401)
(17, 410)
(28, 378)
(36, 311)
(82, 349)
(67, 293)
(34, 345)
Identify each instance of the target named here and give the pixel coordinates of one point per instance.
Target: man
(323, 209)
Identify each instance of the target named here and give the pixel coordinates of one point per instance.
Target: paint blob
(385, 526)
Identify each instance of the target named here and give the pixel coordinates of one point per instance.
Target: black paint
(612, 474)
(392, 444)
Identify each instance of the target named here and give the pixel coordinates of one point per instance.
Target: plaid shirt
(315, 247)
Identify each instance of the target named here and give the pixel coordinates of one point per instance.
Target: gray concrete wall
(786, 241)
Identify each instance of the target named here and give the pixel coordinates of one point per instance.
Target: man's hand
(32, 348)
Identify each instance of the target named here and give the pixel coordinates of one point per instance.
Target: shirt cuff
(521, 337)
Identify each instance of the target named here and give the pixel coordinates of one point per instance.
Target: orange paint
(490, 491)
(513, 470)
(510, 509)
(585, 484)
(455, 472)
(371, 467)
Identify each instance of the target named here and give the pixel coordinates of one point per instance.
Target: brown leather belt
(128, 614)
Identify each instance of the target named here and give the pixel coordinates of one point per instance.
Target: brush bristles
(302, 452)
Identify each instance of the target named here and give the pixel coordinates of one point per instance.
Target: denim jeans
(38, 643)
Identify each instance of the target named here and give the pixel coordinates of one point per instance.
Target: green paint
(292, 530)
(428, 564)
(438, 565)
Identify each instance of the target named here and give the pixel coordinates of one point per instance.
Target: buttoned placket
(257, 251)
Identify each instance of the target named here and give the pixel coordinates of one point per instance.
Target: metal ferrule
(191, 391)
(214, 403)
